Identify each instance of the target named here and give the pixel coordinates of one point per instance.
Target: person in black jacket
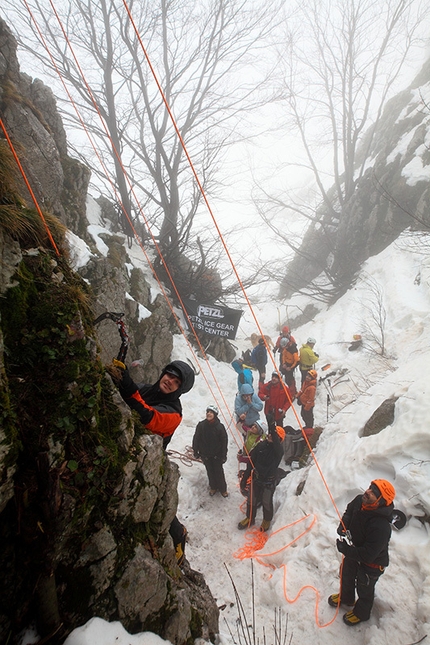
(160, 410)
(263, 468)
(158, 405)
(210, 444)
(365, 531)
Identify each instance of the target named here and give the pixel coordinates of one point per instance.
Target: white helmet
(262, 425)
(212, 408)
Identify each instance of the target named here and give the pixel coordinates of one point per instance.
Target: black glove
(342, 546)
(127, 386)
(341, 530)
(271, 421)
(316, 354)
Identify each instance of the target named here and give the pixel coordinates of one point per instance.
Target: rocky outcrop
(87, 496)
(381, 418)
(392, 195)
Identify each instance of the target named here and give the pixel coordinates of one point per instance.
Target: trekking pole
(328, 404)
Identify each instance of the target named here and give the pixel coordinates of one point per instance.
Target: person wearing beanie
(365, 532)
(160, 410)
(210, 445)
(307, 357)
(277, 398)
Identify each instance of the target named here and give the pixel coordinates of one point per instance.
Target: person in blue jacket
(247, 406)
(259, 358)
(244, 374)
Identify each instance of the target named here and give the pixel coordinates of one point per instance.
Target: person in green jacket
(308, 357)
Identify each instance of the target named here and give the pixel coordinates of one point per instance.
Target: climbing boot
(212, 492)
(265, 525)
(224, 494)
(244, 524)
(351, 619)
(333, 601)
(180, 547)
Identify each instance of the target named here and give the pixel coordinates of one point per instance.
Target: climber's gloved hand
(122, 379)
(342, 546)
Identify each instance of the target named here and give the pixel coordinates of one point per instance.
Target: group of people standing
(277, 394)
(365, 528)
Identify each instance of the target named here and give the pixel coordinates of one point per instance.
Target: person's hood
(246, 388)
(187, 375)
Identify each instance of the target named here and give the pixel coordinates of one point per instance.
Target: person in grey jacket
(247, 406)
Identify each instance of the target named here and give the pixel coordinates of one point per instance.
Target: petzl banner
(213, 320)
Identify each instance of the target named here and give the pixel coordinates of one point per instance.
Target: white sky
(400, 453)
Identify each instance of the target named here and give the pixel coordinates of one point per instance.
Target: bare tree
(209, 59)
(340, 63)
(373, 317)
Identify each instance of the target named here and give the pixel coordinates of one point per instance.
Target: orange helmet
(285, 330)
(312, 373)
(386, 490)
(281, 432)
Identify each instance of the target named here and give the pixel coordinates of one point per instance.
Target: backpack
(246, 357)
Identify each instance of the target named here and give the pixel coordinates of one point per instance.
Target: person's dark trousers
(215, 473)
(308, 417)
(304, 374)
(255, 495)
(267, 501)
(291, 382)
(260, 492)
(355, 574)
(367, 577)
(349, 574)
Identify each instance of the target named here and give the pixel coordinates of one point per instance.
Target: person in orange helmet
(366, 525)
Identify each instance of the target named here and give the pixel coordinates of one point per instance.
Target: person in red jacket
(306, 398)
(276, 400)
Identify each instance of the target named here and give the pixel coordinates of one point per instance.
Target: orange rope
(124, 210)
(27, 183)
(203, 193)
(256, 540)
(159, 251)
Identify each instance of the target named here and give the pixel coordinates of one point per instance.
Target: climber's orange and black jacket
(290, 356)
(160, 413)
(306, 396)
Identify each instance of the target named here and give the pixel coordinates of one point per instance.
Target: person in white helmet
(210, 445)
(308, 357)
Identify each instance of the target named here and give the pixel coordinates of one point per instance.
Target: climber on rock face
(160, 410)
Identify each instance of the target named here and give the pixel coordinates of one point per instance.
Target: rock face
(388, 198)
(87, 496)
(381, 418)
